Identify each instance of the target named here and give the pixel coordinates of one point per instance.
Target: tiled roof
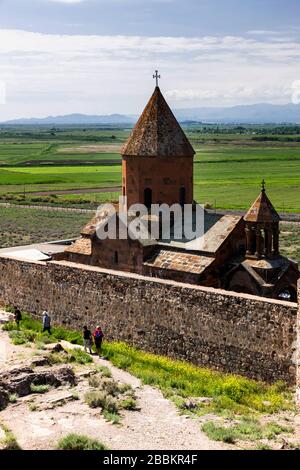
(262, 210)
(82, 246)
(157, 132)
(176, 261)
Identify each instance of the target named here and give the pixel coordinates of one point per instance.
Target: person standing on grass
(18, 316)
(87, 339)
(46, 322)
(98, 336)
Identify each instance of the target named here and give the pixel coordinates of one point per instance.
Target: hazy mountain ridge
(262, 113)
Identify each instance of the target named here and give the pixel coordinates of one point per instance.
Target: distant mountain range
(73, 119)
(244, 114)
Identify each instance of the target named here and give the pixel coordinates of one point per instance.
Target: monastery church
(237, 253)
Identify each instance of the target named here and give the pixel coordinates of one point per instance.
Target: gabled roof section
(107, 214)
(157, 132)
(262, 210)
(179, 261)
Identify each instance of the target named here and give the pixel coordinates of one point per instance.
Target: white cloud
(262, 32)
(52, 74)
(66, 1)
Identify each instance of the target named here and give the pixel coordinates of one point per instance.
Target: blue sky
(97, 56)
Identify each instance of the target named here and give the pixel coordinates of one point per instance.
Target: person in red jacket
(98, 336)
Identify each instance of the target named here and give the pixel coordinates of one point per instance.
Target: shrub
(72, 355)
(105, 371)
(114, 418)
(94, 381)
(100, 399)
(129, 403)
(21, 337)
(43, 339)
(219, 433)
(9, 326)
(13, 398)
(39, 388)
(59, 358)
(33, 407)
(123, 388)
(95, 399)
(75, 396)
(10, 441)
(111, 404)
(110, 386)
(79, 442)
(79, 356)
(247, 429)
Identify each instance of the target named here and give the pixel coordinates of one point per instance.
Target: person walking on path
(18, 316)
(46, 322)
(98, 336)
(87, 340)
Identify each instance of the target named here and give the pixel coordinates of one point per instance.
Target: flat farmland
(228, 167)
(22, 226)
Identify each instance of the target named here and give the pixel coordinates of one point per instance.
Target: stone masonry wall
(226, 331)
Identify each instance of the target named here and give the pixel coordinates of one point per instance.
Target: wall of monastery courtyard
(232, 332)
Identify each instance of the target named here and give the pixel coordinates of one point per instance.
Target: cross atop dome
(157, 77)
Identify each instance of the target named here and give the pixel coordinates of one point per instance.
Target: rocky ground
(39, 420)
(42, 401)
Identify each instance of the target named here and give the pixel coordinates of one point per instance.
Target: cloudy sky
(98, 56)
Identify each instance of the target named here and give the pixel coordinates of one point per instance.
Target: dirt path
(156, 426)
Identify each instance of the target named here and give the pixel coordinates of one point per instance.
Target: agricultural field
(85, 164)
(23, 226)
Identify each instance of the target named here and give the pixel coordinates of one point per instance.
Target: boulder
(58, 348)
(19, 380)
(4, 398)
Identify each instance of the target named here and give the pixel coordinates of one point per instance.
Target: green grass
(39, 388)
(181, 379)
(129, 403)
(104, 371)
(25, 226)
(13, 398)
(79, 442)
(107, 403)
(71, 355)
(113, 417)
(35, 326)
(79, 356)
(10, 441)
(246, 430)
(22, 337)
(290, 241)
